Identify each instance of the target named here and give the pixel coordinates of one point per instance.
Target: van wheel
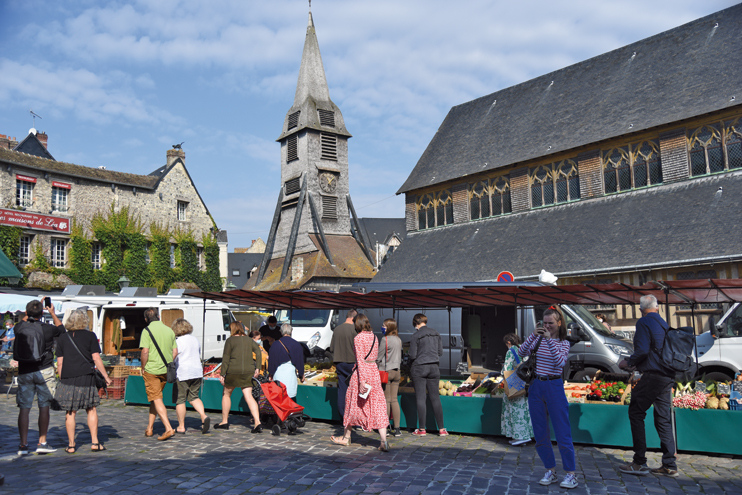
(586, 375)
(718, 376)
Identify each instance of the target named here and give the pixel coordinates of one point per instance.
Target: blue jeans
(343, 370)
(546, 400)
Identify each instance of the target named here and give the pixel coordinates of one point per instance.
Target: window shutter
(326, 118)
(294, 120)
(293, 149)
(292, 186)
(329, 147)
(329, 207)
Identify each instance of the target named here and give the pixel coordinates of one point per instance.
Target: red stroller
(277, 409)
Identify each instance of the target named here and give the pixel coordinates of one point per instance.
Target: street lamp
(231, 286)
(13, 281)
(123, 282)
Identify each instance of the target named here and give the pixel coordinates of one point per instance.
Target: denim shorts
(42, 383)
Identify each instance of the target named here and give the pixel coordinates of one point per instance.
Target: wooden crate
(118, 371)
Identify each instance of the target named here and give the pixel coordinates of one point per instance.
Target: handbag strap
(515, 355)
(78, 350)
(386, 350)
(372, 347)
(152, 337)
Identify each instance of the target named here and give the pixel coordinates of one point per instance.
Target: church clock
(328, 181)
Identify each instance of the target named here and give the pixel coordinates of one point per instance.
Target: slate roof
(32, 146)
(244, 262)
(380, 229)
(688, 71)
(609, 234)
(72, 170)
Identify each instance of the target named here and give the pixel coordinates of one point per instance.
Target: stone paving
(235, 462)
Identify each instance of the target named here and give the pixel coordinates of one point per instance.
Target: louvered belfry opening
(329, 147)
(326, 118)
(293, 148)
(329, 207)
(292, 186)
(294, 119)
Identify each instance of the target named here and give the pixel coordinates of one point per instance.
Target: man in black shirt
(36, 378)
(270, 333)
(343, 354)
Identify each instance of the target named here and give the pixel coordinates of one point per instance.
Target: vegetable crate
(118, 382)
(118, 371)
(111, 393)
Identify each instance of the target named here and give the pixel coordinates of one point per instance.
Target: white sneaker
(569, 481)
(515, 443)
(23, 450)
(549, 478)
(45, 448)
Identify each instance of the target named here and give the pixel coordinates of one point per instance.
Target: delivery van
(720, 351)
(118, 320)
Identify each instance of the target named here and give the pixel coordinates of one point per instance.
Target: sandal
(384, 447)
(71, 449)
(340, 441)
(97, 447)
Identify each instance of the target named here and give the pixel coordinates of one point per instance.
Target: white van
(121, 318)
(312, 327)
(720, 351)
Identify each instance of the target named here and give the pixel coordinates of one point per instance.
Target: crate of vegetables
(602, 392)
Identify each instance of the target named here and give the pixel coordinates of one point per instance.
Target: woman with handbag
(389, 360)
(546, 399)
(78, 363)
(238, 370)
(515, 420)
(365, 405)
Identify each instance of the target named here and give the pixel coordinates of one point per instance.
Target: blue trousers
(546, 400)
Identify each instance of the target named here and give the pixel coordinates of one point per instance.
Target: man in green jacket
(154, 369)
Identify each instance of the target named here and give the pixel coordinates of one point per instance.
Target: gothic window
(479, 200)
(706, 155)
(542, 186)
(616, 170)
(500, 188)
(646, 164)
(733, 133)
(435, 209)
(567, 181)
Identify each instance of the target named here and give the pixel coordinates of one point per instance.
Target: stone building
(315, 240)
(43, 195)
(626, 167)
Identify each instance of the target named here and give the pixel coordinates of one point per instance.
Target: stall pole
(203, 333)
(449, 340)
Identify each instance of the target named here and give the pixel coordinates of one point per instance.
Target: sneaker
(633, 468)
(396, 432)
(569, 481)
(515, 443)
(443, 432)
(45, 448)
(419, 433)
(549, 478)
(23, 450)
(665, 471)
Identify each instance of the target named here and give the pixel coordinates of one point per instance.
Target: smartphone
(364, 395)
(47, 302)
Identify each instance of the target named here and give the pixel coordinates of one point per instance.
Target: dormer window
(294, 120)
(326, 118)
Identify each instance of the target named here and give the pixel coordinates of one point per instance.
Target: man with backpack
(654, 388)
(36, 376)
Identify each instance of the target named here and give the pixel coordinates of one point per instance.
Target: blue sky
(117, 83)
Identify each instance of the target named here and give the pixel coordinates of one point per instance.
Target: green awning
(7, 268)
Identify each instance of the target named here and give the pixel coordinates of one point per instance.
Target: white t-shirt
(188, 360)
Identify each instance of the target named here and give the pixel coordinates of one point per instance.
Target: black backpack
(677, 350)
(29, 345)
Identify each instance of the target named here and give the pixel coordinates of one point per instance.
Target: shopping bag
(514, 386)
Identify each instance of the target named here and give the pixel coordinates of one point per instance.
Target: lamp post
(123, 282)
(230, 286)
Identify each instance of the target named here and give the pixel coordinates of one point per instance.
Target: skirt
(74, 394)
(233, 380)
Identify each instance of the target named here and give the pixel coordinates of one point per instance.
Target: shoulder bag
(355, 367)
(526, 370)
(383, 374)
(100, 382)
(172, 374)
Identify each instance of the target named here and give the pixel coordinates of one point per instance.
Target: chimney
(173, 155)
(41, 136)
(7, 142)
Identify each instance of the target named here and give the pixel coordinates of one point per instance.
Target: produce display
(601, 391)
(703, 394)
(320, 375)
(212, 371)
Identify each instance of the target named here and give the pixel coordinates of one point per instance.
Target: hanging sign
(505, 277)
(36, 221)
(61, 184)
(25, 178)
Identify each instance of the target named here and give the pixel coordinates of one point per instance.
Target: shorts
(188, 390)
(42, 383)
(154, 384)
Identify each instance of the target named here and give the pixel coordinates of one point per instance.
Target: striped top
(551, 354)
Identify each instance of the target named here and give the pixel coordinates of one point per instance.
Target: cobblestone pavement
(235, 462)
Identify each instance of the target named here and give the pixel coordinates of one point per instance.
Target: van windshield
(732, 326)
(590, 319)
(304, 317)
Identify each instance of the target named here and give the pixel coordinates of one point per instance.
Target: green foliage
(39, 262)
(135, 260)
(160, 272)
(114, 231)
(187, 257)
(81, 250)
(10, 241)
(210, 279)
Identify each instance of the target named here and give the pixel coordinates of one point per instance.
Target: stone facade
(158, 197)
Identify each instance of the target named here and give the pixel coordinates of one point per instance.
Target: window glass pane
(655, 171)
(697, 160)
(441, 215)
(574, 188)
(485, 206)
(716, 157)
(449, 212)
(421, 219)
(496, 204)
(431, 217)
(624, 177)
(610, 181)
(640, 174)
(734, 151)
(474, 210)
(548, 193)
(506, 207)
(562, 192)
(536, 195)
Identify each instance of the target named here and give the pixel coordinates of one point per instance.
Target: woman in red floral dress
(369, 413)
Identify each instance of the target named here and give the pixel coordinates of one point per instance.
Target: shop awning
(7, 268)
(668, 292)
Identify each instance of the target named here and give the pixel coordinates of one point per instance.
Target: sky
(118, 83)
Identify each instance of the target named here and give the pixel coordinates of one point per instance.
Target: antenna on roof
(310, 5)
(34, 115)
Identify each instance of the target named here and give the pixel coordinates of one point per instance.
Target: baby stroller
(277, 410)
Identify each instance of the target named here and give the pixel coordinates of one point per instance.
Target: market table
(596, 424)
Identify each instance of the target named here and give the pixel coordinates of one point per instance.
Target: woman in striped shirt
(546, 397)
